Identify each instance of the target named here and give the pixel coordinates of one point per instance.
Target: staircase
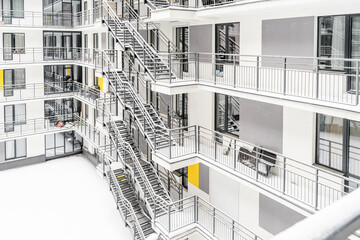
(130, 39)
(129, 193)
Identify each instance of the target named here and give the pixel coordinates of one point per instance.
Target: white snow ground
(60, 199)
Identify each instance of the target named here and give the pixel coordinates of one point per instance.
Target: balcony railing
(195, 210)
(321, 79)
(84, 56)
(13, 18)
(308, 185)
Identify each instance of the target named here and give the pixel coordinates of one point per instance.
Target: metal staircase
(130, 39)
(129, 193)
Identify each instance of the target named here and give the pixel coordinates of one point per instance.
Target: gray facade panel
(22, 162)
(197, 35)
(204, 178)
(275, 217)
(288, 37)
(261, 124)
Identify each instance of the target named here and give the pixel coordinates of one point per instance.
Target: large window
(14, 43)
(15, 149)
(182, 44)
(14, 115)
(58, 144)
(59, 108)
(60, 12)
(338, 144)
(62, 45)
(13, 79)
(12, 9)
(339, 37)
(60, 78)
(227, 114)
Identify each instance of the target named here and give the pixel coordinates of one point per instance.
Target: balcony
(332, 83)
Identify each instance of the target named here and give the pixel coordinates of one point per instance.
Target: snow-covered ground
(60, 199)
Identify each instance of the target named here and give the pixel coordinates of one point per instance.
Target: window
(13, 79)
(227, 114)
(338, 144)
(61, 45)
(339, 38)
(86, 76)
(59, 12)
(95, 41)
(182, 43)
(58, 144)
(14, 43)
(14, 115)
(182, 108)
(12, 9)
(15, 149)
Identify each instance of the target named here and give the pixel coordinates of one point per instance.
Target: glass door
(8, 82)
(67, 46)
(355, 50)
(9, 118)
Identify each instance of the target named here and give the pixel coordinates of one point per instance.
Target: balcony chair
(266, 159)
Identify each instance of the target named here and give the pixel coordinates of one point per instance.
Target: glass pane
(354, 149)
(355, 47)
(7, 14)
(19, 78)
(50, 152)
(59, 139)
(332, 40)
(20, 113)
(8, 46)
(233, 115)
(49, 141)
(69, 142)
(9, 118)
(18, 7)
(330, 141)
(10, 149)
(234, 38)
(21, 148)
(220, 38)
(220, 112)
(19, 43)
(8, 82)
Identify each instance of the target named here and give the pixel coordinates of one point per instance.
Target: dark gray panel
(261, 124)
(200, 38)
(2, 152)
(288, 37)
(275, 217)
(204, 178)
(91, 157)
(22, 162)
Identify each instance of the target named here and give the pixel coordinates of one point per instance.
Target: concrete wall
(197, 34)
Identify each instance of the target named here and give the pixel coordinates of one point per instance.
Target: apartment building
(209, 119)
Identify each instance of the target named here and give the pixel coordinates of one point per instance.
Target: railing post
(257, 163)
(357, 83)
(284, 80)
(213, 222)
(284, 176)
(170, 68)
(154, 220)
(257, 73)
(198, 139)
(197, 70)
(233, 230)
(234, 72)
(235, 154)
(170, 144)
(169, 211)
(316, 189)
(317, 80)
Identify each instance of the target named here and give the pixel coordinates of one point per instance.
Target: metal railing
(306, 184)
(13, 18)
(324, 79)
(25, 127)
(11, 56)
(195, 210)
(197, 4)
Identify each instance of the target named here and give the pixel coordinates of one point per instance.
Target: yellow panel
(1, 79)
(193, 175)
(101, 83)
(68, 70)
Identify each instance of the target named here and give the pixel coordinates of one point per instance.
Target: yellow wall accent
(68, 70)
(193, 175)
(1, 79)
(101, 83)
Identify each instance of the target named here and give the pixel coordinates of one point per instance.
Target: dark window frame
(345, 151)
(347, 47)
(14, 49)
(16, 157)
(14, 122)
(12, 9)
